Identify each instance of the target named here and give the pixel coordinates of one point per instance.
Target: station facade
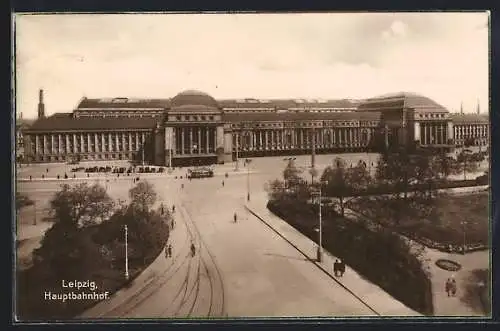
(193, 128)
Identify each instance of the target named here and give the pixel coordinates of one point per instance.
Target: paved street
(240, 269)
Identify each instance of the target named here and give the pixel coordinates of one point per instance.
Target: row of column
(195, 140)
(433, 133)
(302, 138)
(471, 131)
(87, 142)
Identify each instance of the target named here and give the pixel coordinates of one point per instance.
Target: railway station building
(193, 128)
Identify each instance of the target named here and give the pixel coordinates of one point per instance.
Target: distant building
(21, 126)
(471, 130)
(193, 128)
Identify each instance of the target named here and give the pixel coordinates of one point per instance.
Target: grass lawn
(477, 291)
(445, 227)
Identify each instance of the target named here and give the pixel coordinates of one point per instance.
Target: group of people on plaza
(451, 286)
(168, 250)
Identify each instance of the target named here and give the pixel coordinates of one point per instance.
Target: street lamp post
(465, 155)
(464, 223)
(290, 160)
(126, 253)
(247, 163)
(320, 246)
(170, 152)
(236, 166)
(34, 208)
(319, 252)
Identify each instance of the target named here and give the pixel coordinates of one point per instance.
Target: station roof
(66, 121)
(300, 116)
(198, 98)
(402, 100)
(123, 103)
(458, 118)
(286, 103)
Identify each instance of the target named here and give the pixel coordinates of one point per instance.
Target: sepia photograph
(251, 165)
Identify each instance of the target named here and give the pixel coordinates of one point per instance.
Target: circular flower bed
(448, 265)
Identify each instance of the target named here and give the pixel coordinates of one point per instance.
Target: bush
(22, 201)
(93, 252)
(380, 256)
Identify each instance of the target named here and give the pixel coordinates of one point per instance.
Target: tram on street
(201, 172)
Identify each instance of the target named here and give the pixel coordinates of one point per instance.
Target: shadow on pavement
(287, 257)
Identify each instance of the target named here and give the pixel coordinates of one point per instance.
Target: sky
(443, 56)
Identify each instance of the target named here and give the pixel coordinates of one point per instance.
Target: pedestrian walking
(166, 251)
(182, 186)
(336, 267)
(173, 223)
(173, 209)
(453, 287)
(342, 268)
(447, 286)
(170, 250)
(222, 183)
(193, 250)
(235, 217)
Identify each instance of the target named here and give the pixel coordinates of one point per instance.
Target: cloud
(397, 30)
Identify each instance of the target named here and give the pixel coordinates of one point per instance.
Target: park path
(370, 294)
(444, 306)
(454, 306)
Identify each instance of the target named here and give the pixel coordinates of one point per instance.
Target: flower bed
(445, 233)
(448, 265)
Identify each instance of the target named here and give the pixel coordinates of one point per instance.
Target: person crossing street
(193, 250)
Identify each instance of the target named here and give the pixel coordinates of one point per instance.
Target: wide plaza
(260, 273)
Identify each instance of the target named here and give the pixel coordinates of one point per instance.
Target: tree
(445, 164)
(358, 177)
(292, 174)
(143, 196)
(401, 172)
(22, 201)
(276, 190)
(64, 248)
(396, 170)
(335, 182)
(81, 205)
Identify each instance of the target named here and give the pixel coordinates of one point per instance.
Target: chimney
(41, 105)
(478, 108)
(461, 107)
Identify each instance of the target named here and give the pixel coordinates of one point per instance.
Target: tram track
(216, 297)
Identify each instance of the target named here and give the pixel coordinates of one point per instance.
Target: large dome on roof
(193, 98)
(404, 100)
